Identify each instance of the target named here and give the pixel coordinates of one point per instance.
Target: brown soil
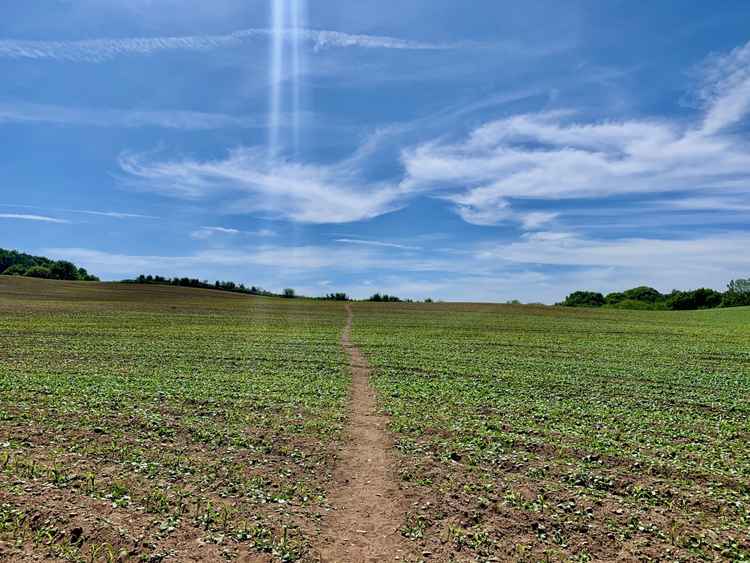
(368, 506)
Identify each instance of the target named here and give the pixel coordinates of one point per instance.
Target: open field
(156, 423)
(565, 434)
(163, 422)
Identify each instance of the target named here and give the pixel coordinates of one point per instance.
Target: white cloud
(550, 155)
(205, 233)
(726, 89)
(306, 193)
(536, 219)
(377, 243)
(667, 263)
(325, 39)
(111, 214)
(24, 217)
(185, 120)
(102, 50)
(708, 203)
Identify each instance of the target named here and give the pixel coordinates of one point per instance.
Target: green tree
(64, 270)
(738, 294)
(739, 286)
(702, 298)
(289, 293)
(583, 299)
(643, 293)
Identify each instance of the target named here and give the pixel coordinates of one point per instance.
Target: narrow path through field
(368, 506)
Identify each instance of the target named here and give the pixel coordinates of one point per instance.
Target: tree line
(648, 298)
(200, 284)
(14, 263)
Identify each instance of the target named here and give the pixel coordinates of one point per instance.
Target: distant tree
(702, 298)
(289, 293)
(737, 295)
(429, 300)
(83, 275)
(39, 272)
(583, 299)
(643, 293)
(513, 302)
(64, 270)
(741, 286)
(337, 297)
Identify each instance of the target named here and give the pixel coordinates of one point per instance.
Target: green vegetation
(648, 298)
(378, 298)
(337, 297)
(551, 434)
(155, 422)
(170, 423)
(199, 284)
(584, 299)
(13, 263)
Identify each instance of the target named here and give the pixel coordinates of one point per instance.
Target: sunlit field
(539, 433)
(159, 423)
(164, 423)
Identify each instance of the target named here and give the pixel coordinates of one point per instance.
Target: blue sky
(502, 151)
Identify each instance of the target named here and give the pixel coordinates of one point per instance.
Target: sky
(482, 151)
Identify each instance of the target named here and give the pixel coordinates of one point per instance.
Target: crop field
(150, 423)
(162, 423)
(547, 434)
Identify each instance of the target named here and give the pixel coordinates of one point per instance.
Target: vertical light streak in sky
(278, 24)
(298, 23)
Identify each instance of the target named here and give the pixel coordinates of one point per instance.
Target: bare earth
(368, 505)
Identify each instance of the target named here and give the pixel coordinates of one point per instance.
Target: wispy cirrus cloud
(725, 89)
(251, 182)
(205, 233)
(378, 243)
(19, 112)
(102, 50)
(111, 214)
(552, 155)
(545, 156)
(27, 217)
(725, 204)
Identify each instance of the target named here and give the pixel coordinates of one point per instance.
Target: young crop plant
(602, 433)
(167, 422)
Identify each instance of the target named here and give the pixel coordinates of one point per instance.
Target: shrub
(614, 298)
(39, 272)
(16, 270)
(635, 305)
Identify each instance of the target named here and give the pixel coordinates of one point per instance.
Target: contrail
(102, 50)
